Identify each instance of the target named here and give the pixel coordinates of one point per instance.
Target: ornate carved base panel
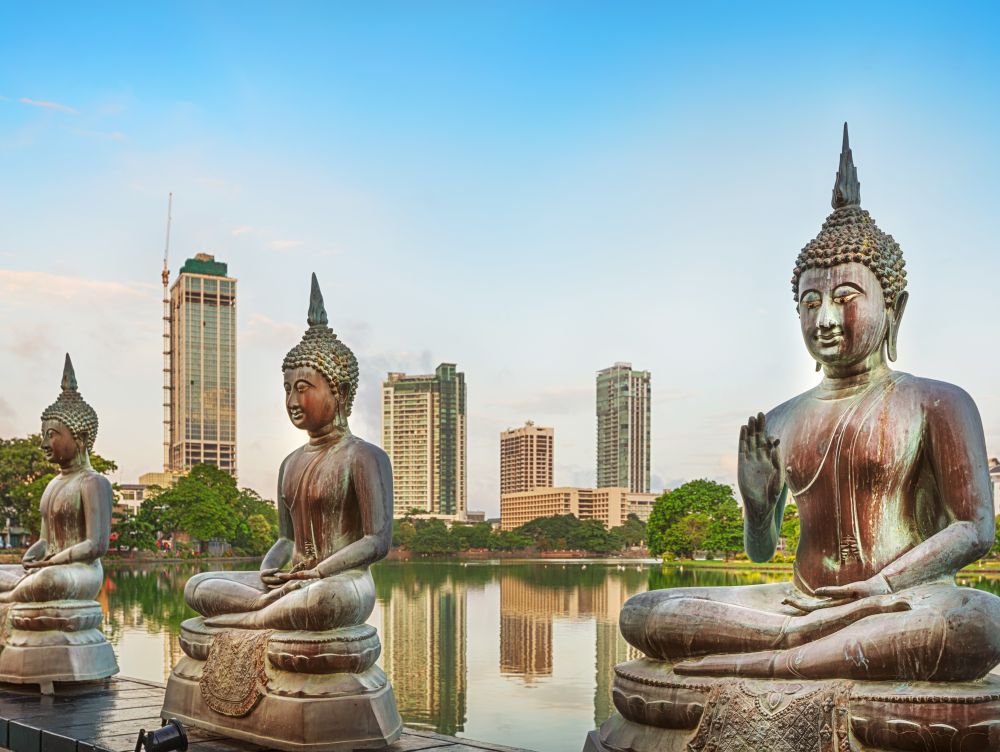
(778, 717)
(662, 711)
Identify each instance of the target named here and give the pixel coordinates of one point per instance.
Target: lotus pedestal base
(56, 641)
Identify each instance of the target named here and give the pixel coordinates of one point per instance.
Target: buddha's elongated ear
(895, 316)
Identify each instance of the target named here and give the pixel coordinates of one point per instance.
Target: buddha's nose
(827, 318)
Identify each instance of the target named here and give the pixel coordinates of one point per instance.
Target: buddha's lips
(295, 413)
(829, 339)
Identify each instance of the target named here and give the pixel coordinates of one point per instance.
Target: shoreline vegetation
(984, 567)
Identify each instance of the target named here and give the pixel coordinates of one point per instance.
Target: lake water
(516, 653)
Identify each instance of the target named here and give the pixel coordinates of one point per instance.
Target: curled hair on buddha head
(72, 411)
(850, 234)
(322, 350)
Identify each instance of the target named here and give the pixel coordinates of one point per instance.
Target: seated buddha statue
(334, 507)
(890, 477)
(52, 623)
(64, 563)
(289, 640)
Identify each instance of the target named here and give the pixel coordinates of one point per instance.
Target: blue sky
(531, 190)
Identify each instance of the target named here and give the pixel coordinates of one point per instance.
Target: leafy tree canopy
(699, 514)
(206, 504)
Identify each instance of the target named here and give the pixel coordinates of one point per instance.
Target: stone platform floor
(106, 717)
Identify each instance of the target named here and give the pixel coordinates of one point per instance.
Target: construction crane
(167, 391)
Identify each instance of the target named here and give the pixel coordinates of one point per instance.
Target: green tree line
(557, 533)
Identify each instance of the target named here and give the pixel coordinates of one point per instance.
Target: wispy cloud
(261, 329)
(559, 400)
(32, 343)
(285, 245)
(7, 418)
(27, 287)
(244, 230)
(47, 104)
(102, 135)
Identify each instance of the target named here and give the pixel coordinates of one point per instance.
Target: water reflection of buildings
(528, 610)
(424, 648)
(525, 645)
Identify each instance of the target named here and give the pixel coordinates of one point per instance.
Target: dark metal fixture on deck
(169, 737)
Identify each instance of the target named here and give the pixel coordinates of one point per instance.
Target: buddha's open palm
(759, 474)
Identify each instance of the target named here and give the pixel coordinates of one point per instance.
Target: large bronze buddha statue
(278, 646)
(890, 477)
(51, 623)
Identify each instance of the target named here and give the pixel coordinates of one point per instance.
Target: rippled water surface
(517, 653)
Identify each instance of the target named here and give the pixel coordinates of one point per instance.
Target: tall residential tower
(201, 387)
(623, 428)
(423, 432)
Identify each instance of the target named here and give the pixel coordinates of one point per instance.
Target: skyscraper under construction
(200, 367)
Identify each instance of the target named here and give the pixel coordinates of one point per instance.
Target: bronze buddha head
(69, 425)
(849, 281)
(320, 373)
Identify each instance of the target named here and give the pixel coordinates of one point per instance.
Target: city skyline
(532, 190)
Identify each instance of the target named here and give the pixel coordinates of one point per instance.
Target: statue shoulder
(778, 417)
(366, 453)
(937, 398)
(291, 456)
(95, 483)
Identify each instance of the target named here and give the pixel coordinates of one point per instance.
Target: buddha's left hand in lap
(837, 595)
(877, 585)
(302, 574)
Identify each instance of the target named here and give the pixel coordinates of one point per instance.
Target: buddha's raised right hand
(760, 474)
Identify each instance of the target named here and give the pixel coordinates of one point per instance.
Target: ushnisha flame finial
(71, 410)
(847, 187)
(317, 311)
(322, 350)
(69, 376)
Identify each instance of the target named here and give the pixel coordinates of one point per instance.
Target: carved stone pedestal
(55, 641)
(662, 711)
(299, 691)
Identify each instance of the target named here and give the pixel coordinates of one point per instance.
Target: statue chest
(62, 510)
(851, 468)
(317, 489)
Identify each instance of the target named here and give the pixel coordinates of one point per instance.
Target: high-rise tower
(623, 428)
(526, 456)
(423, 432)
(202, 367)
